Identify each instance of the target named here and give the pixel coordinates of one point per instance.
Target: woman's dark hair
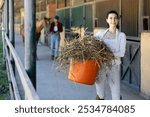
(113, 12)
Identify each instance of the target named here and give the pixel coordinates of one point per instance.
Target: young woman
(55, 29)
(116, 41)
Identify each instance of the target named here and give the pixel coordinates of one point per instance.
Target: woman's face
(112, 20)
(55, 20)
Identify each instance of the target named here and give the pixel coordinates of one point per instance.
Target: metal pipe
(30, 44)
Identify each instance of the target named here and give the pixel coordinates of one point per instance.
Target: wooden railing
(9, 54)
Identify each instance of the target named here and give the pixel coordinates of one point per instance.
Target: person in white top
(116, 41)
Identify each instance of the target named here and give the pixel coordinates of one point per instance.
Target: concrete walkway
(52, 84)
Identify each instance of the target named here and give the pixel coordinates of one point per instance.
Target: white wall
(145, 64)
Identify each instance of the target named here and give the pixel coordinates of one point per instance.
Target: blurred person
(55, 28)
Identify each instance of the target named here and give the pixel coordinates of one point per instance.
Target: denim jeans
(55, 41)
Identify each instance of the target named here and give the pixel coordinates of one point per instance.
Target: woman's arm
(99, 35)
(61, 27)
(52, 27)
(122, 46)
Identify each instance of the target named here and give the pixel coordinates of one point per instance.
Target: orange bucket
(83, 72)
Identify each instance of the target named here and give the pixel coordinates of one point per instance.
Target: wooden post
(120, 14)
(11, 29)
(140, 26)
(94, 14)
(30, 44)
(65, 3)
(7, 17)
(3, 34)
(57, 4)
(4, 16)
(40, 9)
(6, 27)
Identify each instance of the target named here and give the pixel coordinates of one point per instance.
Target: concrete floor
(52, 84)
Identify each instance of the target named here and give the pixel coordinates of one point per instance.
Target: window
(89, 0)
(51, 1)
(146, 22)
(37, 8)
(68, 2)
(43, 15)
(43, 6)
(78, 2)
(61, 3)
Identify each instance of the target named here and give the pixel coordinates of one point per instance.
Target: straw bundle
(86, 48)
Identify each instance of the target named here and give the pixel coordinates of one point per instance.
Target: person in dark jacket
(55, 29)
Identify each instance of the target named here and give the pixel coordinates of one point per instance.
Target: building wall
(130, 17)
(89, 17)
(129, 14)
(43, 5)
(147, 11)
(76, 16)
(53, 6)
(61, 14)
(146, 7)
(102, 8)
(41, 10)
(68, 3)
(77, 2)
(52, 9)
(145, 64)
(61, 4)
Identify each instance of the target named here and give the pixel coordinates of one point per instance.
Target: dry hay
(86, 48)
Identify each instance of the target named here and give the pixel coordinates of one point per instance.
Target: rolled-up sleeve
(98, 35)
(122, 46)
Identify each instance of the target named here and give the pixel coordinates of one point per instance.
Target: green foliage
(3, 75)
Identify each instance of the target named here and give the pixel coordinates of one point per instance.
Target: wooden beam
(30, 44)
(94, 13)
(128, 66)
(12, 79)
(7, 17)
(57, 4)
(11, 30)
(140, 26)
(65, 3)
(3, 31)
(11, 21)
(26, 82)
